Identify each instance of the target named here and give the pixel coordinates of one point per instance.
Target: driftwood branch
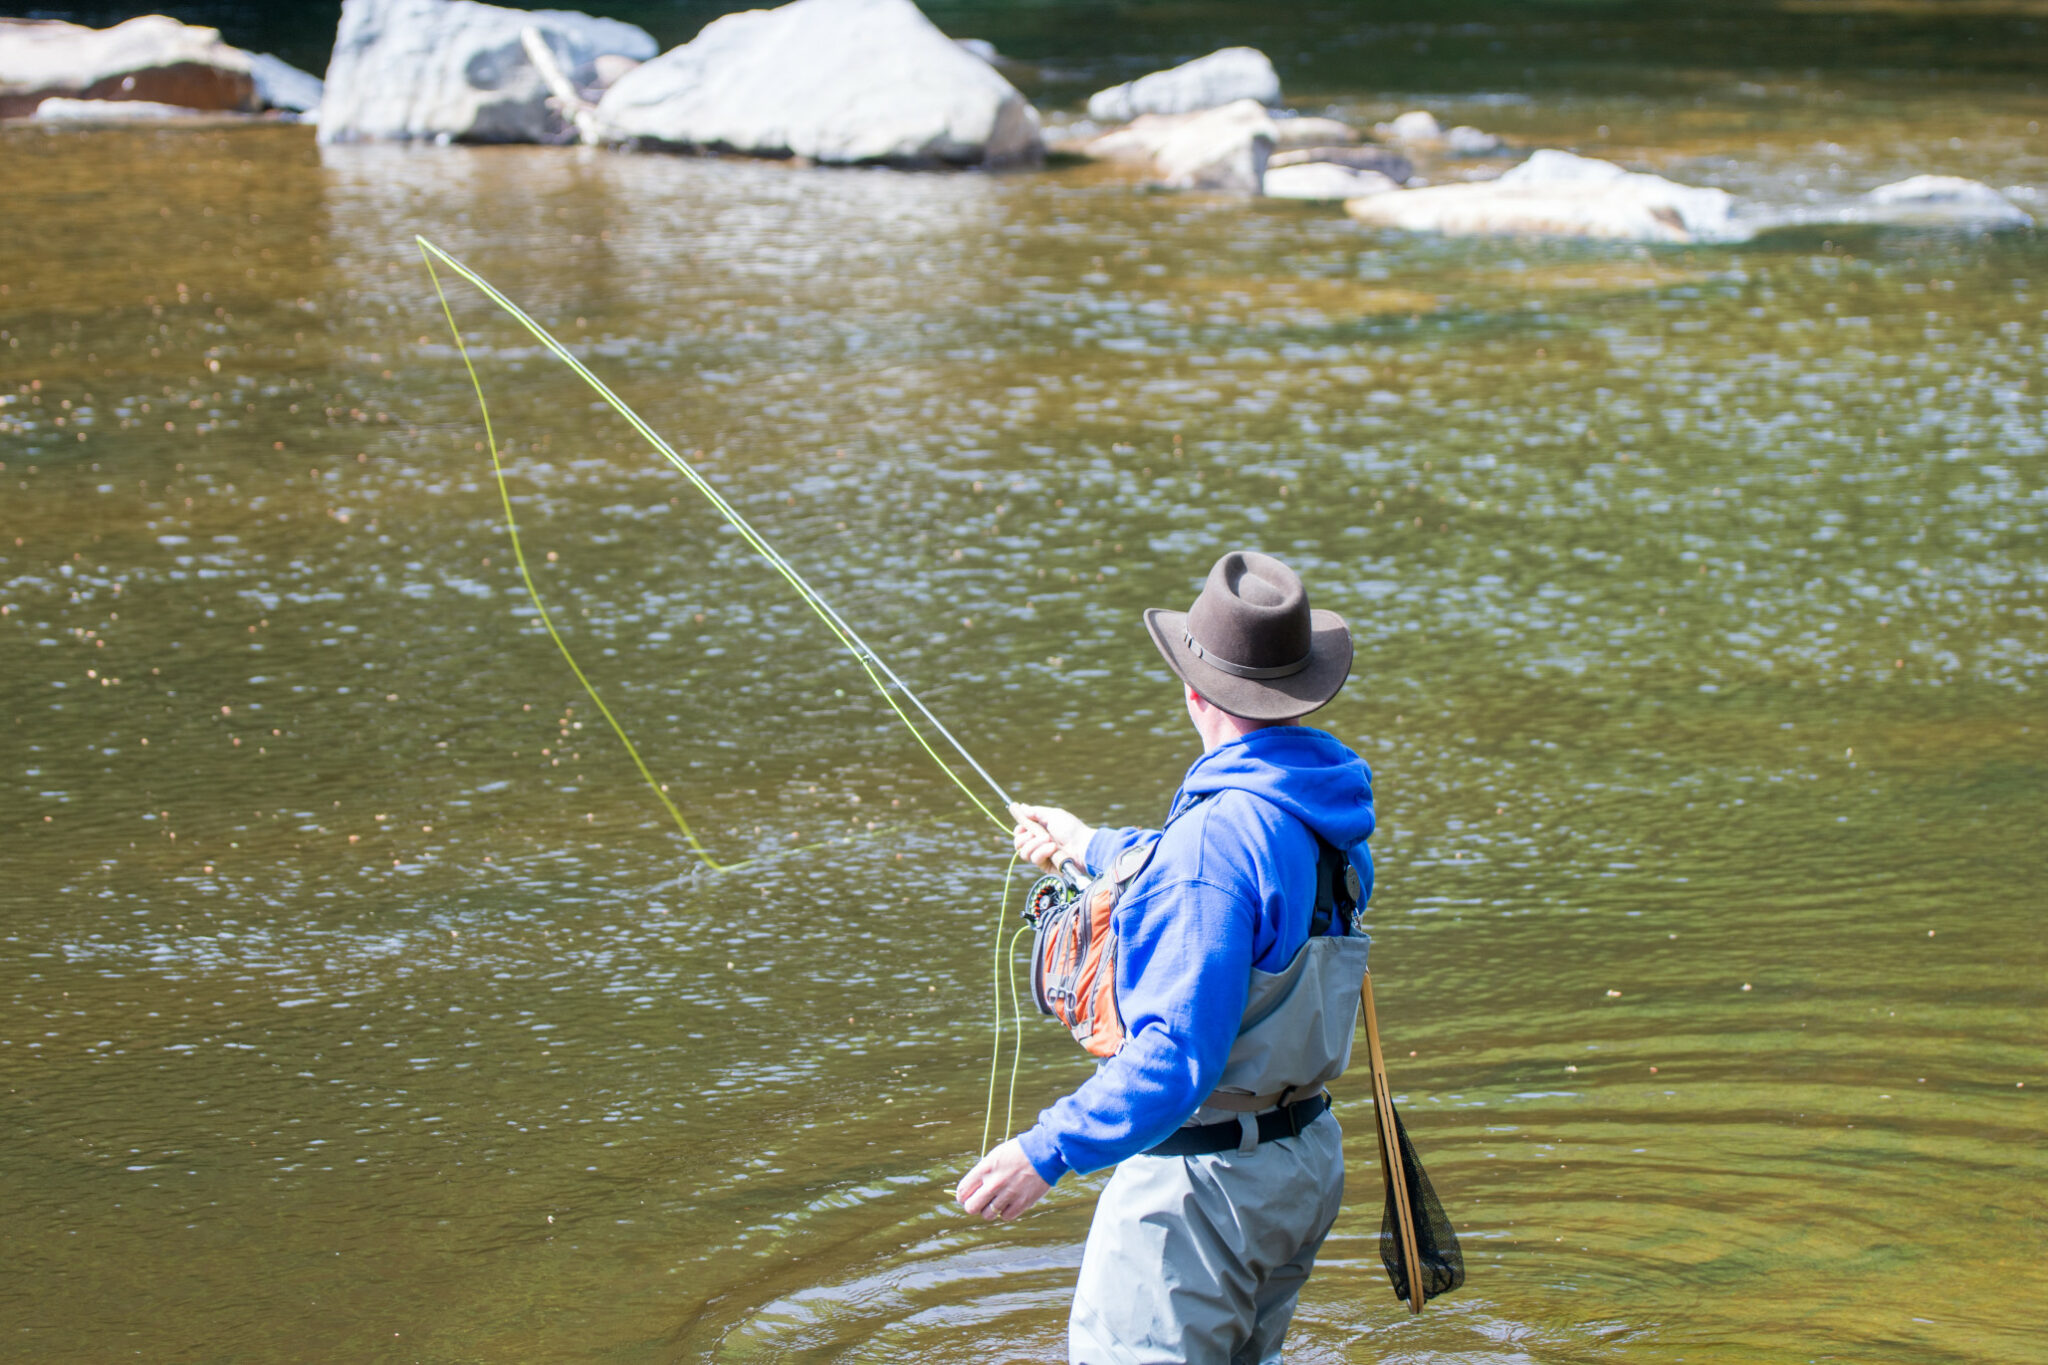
(567, 98)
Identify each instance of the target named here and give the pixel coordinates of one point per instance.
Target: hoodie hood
(1306, 772)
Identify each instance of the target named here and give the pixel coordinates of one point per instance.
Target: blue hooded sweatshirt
(1231, 888)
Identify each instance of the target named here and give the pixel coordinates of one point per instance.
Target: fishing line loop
(884, 678)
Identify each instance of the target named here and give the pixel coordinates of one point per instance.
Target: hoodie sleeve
(1106, 845)
(1185, 940)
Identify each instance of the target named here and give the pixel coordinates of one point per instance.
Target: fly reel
(1047, 896)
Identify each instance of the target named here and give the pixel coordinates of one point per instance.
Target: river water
(357, 1000)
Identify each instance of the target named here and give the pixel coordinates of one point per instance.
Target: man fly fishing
(1213, 965)
(1219, 982)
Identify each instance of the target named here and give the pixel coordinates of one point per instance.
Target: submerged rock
(1217, 149)
(840, 81)
(1419, 128)
(1417, 125)
(1325, 181)
(1465, 140)
(454, 70)
(1384, 160)
(152, 59)
(1923, 201)
(1942, 199)
(1559, 194)
(62, 110)
(1223, 77)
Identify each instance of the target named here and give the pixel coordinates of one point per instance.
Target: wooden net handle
(1392, 1164)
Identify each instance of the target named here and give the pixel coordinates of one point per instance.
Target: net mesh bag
(1442, 1265)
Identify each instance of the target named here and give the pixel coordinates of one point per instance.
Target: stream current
(358, 1002)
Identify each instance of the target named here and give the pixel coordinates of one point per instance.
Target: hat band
(1243, 670)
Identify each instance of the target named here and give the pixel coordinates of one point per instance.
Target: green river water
(357, 1001)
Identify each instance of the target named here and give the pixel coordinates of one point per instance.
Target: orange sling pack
(1074, 950)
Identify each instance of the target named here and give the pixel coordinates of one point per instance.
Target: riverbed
(359, 1001)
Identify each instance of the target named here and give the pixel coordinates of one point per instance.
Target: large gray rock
(152, 59)
(1223, 77)
(454, 70)
(1217, 149)
(838, 81)
(1558, 194)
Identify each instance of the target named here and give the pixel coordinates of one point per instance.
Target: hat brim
(1329, 664)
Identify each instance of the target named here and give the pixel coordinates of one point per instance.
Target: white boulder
(1223, 77)
(152, 59)
(1324, 181)
(454, 70)
(841, 81)
(1217, 149)
(1559, 194)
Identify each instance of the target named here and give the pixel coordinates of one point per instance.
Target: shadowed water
(357, 1001)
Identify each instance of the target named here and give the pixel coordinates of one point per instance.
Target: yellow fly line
(879, 673)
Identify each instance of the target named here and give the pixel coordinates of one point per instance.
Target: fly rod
(884, 678)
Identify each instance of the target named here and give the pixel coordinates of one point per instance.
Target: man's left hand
(1002, 1184)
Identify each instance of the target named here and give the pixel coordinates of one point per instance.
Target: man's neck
(1221, 728)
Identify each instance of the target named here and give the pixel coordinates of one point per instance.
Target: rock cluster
(151, 61)
(875, 82)
(1559, 194)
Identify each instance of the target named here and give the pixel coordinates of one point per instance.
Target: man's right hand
(1047, 836)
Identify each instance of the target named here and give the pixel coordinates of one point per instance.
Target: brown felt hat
(1250, 644)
